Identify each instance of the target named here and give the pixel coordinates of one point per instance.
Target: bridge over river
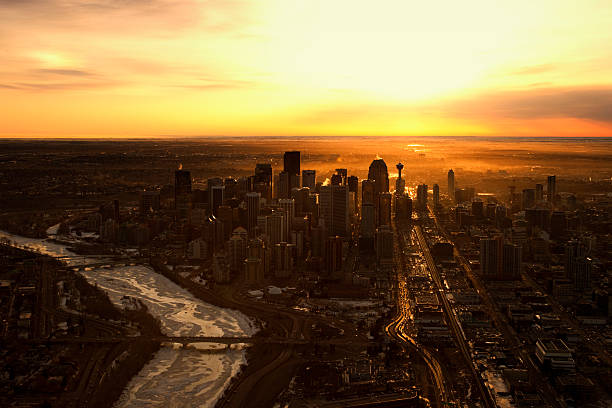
(206, 339)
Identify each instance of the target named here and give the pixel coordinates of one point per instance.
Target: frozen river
(175, 377)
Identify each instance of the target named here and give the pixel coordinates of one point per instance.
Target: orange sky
(74, 68)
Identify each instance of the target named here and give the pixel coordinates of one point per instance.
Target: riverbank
(175, 376)
(93, 374)
(269, 367)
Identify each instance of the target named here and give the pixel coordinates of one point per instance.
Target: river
(175, 376)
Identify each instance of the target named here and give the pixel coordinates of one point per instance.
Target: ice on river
(175, 376)
(179, 312)
(182, 378)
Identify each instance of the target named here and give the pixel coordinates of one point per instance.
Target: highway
(396, 329)
(503, 325)
(487, 398)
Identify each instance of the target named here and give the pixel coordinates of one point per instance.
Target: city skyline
(191, 68)
(489, 289)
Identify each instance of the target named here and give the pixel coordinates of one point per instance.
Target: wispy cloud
(586, 103)
(591, 103)
(533, 69)
(218, 84)
(64, 72)
(158, 17)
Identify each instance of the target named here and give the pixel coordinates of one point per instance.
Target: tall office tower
(367, 192)
(558, 224)
(491, 255)
(378, 173)
(300, 196)
(210, 183)
(253, 201)
(231, 187)
(220, 268)
(334, 208)
(539, 192)
(451, 184)
(336, 180)
(552, 188)
(274, 227)
(288, 206)
(478, 209)
(243, 185)
(403, 207)
(578, 265)
(500, 215)
(216, 198)
(400, 183)
(422, 197)
(384, 245)
(436, 196)
(573, 250)
(253, 270)
(384, 208)
(263, 180)
(333, 255)
(149, 202)
(309, 179)
(258, 249)
(528, 198)
(512, 259)
(490, 210)
(283, 259)
(582, 270)
(263, 173)
(182, 193)
(291, 161)
(368, 222)
(312, 207)
(282, 187)
(225, 216)
(353, 184)
(237, 248)
(318, 237)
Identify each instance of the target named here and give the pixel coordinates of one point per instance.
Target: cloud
(57, 86)
(586, 103)
(65, 72)
(591, 103)
(218, 83)
(156, 17)
(533, 69)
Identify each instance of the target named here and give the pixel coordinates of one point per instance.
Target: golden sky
(74, 68)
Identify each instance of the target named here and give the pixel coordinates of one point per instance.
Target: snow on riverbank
(182, 378)
(175, 376)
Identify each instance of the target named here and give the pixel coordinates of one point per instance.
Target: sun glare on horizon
(196, 68)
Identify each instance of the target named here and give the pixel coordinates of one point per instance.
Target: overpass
(185, 340)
